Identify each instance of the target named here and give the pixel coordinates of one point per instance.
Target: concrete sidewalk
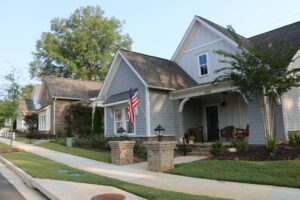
(196, 186)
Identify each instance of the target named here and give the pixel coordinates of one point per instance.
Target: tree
(81, 46)
(78, 119)
(26, 91)
(97, 121)
(261, 74)
(31, 122)
(11, 96)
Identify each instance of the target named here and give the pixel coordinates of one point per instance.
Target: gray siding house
(178, 93)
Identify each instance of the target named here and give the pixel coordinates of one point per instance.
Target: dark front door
(212, 119)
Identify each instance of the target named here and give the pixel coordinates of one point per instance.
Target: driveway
(8, 191)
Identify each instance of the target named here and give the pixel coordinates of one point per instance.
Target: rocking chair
(241, 133)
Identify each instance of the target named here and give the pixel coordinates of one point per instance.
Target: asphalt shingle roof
(159, 72)
(72, 88)
(118, 97)
(26, 105)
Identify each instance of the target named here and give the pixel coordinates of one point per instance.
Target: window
(121, 120)
(42, 121)
(203, 64)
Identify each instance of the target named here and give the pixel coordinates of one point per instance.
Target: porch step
(199, 153)
(200, 150)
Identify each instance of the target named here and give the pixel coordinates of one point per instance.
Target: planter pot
(69, 142)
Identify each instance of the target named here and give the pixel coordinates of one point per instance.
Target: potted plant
(69, 139)
(191, 139)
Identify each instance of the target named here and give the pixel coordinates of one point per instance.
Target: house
(28, 106)
(178, 93)
(56, 94)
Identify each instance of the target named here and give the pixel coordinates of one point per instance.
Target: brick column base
(160, 155)
(121, 152)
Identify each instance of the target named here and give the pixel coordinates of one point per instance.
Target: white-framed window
(42, 121)
(203, 65)
(121, 120)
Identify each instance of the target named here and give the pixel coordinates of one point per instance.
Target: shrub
(240, 144)
(140, 152)
(217, 149)
(294, 138)
(273, 144)
(98, 121)
(31, 122)
(38, 136)
(180, 149)
(78, 118)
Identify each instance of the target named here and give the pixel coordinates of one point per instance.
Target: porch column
(182, 103)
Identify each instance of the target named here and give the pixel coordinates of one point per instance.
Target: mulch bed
(11, 150)
(261, 153)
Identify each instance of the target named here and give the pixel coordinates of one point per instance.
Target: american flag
(133, 102)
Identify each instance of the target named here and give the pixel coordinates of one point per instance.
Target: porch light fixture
(121, 132)
(159, 131)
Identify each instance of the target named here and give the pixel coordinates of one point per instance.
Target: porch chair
(227, 132)
(241, 133)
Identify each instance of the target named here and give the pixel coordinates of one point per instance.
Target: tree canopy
(81, 46)
(261, 74)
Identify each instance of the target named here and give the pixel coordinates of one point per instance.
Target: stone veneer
(121, 152)
(160, 155)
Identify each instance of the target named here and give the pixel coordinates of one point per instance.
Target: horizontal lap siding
(125, 79)
(291, 104)
(165, 112)
(256, 127)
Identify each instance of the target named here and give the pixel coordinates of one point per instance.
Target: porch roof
(201, 90)
(118, 97)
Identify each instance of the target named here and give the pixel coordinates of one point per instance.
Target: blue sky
(156, 26)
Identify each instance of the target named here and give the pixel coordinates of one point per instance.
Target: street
(8, 191)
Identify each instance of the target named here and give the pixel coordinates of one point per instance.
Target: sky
(156, 26)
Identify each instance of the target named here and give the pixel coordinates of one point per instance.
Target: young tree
(31, 122)
(11, 95)
(81, 46)
(262, 75)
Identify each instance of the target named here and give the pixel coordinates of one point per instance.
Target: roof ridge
(276, 29)
(73, 79)
(146, 55)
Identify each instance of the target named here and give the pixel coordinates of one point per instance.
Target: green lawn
(22, 139)
(93, 155)
(40, 167)
(280, 173)
(3, 146)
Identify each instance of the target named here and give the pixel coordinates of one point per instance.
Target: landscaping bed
(261, 153)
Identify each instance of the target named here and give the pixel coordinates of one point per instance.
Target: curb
(28, 180)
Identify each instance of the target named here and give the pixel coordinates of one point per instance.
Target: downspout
(54, 104)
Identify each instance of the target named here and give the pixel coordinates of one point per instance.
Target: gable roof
(72, 88)
(26, 105)
(158, 72)
(245, 42)
(289, 35)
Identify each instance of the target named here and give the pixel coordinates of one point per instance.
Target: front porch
(213, 117)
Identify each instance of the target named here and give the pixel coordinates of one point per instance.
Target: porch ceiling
(202, 90)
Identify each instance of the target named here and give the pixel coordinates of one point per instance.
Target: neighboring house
(178, 93)
(56, 94)
(8, 123)
(28, 106)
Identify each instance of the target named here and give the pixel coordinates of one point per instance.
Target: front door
(212, 119)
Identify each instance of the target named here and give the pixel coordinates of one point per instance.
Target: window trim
(207, 64)
(123, 120)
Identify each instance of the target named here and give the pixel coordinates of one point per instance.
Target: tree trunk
(267, 109)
